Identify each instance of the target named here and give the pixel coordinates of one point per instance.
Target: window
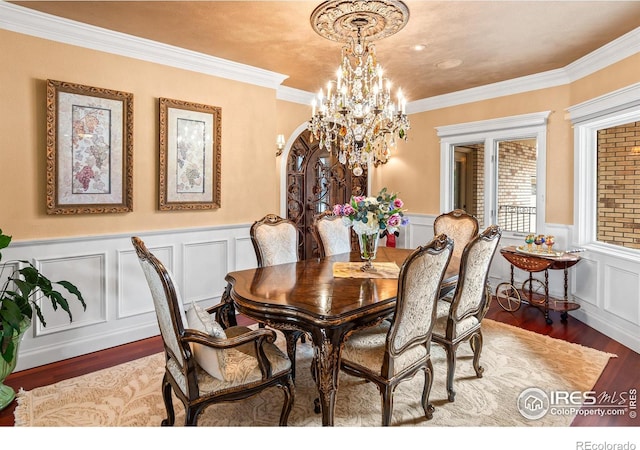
(494, 169)
(607, 157)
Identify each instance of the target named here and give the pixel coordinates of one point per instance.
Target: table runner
(352, 270)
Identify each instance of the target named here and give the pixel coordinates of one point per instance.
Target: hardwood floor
(620, 375)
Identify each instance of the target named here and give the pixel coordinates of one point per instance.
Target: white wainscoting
(606, 285)
(119, 306)
(120, 309)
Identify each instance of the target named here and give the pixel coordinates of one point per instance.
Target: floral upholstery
(205, 363)
(275, 241)
(459, 314)
(459, 226)
(162, 307)
(333, 234)
(393, 351)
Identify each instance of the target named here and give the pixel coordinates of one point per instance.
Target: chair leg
(451, 370)
(387, 403)
(191, 416)
(289, 396)
(168, 403)
(428, 383)
(476, 346)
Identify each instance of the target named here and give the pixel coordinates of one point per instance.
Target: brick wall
(516, 185)
(619, 185)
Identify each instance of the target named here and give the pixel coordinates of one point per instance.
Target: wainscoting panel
(585, 282)
(133, 293)
(119, 305)
(89, 272)
(621, 293)
(205, 266)
(245, 253)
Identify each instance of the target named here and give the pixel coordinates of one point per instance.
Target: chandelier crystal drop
(357, 115)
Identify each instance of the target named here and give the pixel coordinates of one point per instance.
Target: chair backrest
(418, 289)
(332, 234)
(275, 240)
(459, 226)
(166, 300)
(470, 295)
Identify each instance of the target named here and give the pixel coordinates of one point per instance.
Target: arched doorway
(315, 181)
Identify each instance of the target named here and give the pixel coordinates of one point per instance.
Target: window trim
(490, 132)
(611, 109)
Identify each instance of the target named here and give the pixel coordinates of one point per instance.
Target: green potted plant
(18, 300)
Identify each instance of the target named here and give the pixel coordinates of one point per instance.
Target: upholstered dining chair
(459, 317)
(275, 241)
(395, 350)
(331, 233)
(204, 363)
(459, 226)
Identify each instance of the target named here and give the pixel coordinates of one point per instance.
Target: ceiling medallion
(357, 116)
(342, 20)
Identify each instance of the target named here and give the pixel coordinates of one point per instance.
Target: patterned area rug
(129, 395)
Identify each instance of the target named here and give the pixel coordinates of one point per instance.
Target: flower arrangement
(382, 214)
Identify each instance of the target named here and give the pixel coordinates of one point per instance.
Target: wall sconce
(280, 144)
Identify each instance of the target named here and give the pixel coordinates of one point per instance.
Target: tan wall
(612, 78)
(251, 119)
(248, 139)
(291, 117)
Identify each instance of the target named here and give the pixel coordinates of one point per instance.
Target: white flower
(371, 227)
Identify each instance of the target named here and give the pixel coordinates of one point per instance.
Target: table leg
(227, 314)
(326, 345)
(546, 298)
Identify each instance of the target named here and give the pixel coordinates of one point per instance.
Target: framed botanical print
(190, 135)
(89, 149)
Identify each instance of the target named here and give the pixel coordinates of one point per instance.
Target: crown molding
(542, 80)
(33, 23)
(23, 20)
(613, 52)
(294, 95)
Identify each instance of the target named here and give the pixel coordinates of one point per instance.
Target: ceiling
(494, 40)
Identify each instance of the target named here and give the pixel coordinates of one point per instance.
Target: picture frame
(190, 152)
(89, 149)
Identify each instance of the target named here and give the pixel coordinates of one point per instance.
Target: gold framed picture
(89, 149)
(190, 151)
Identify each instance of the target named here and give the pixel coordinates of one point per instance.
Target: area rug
(129, 395)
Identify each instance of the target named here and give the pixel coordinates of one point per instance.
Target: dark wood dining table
(305, 297)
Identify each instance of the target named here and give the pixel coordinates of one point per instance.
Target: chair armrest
(258, 337)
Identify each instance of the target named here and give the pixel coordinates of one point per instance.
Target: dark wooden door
(316, 181)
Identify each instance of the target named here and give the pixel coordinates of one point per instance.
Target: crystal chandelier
(358, 116)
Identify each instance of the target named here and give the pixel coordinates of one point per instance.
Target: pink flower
(397, 203)
(348, 210)
(358, 198)
(394, 220)
(337, 210)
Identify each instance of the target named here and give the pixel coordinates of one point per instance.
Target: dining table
(317, 297)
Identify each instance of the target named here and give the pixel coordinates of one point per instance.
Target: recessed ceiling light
(419, 47)
(448, 64)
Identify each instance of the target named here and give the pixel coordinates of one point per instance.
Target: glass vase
(368, 248)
